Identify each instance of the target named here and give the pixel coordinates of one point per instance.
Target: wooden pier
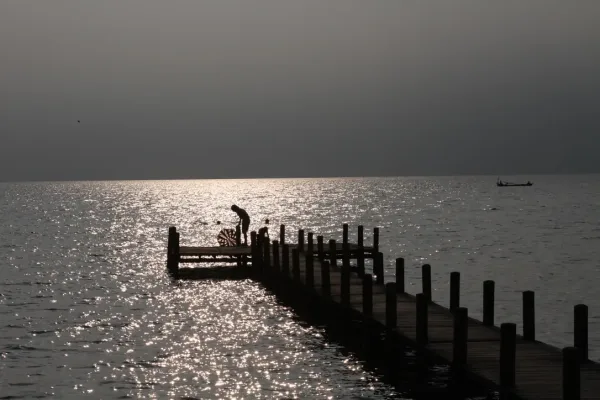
(517, 366)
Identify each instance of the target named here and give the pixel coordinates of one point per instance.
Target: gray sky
(261, 88)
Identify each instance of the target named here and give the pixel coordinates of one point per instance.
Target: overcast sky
(275, 88)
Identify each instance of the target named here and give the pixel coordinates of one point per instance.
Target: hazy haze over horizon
(261, 88)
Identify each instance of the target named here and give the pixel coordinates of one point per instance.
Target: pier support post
(459, 343)
(345, 234)
(508, 348)
(375, 240)
(296, 265)
(360, 255)
(301, 240)
(332, 252)
(172, 257)
(254, 253)
(367, 286)
(454, 290)
(488, 303)
(266, 258)
(391, 305)
(276, 260)
(426, 281)
(282, 234)
(400, 286)
(422, 320)
(378, 268)
(320, 248)
(529, 315)
(581, 331)
(325, 279)
(571, 374)
(345, 277)
(310, 272)
(285, 260)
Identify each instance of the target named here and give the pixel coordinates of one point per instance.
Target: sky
(187, 89)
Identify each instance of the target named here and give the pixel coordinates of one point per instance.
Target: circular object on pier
(226, 237)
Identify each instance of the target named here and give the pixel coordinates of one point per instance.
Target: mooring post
(571, 373)
(508, 348)
(426, 281)
(400, 287)
(345, 234)
(296, 265)
(375, 240)
(171, 249)
(345, 277)
(320, 250)
(422, 320)
(528, 315)
(367, 286)
(581, 330)
(310, 274)
(301, 240)
(282, 234)
(332, 252)
(378, 268)
(391, 305)
(325, 279)
(360, 255)
(285, 260)
(175, 266)
(459, 342)
(488, 303)
(454, 290)
(276, 260)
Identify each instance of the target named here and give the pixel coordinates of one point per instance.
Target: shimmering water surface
(86, 308)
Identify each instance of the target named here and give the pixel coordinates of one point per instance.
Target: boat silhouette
(501, 183)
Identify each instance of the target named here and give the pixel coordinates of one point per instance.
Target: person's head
(267, 221)
(234, 208)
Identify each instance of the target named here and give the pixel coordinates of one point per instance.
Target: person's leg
(245, 226)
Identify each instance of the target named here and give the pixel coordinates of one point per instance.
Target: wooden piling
(508, 348)
(296, 265)
(266, 255)
(276, 259)
(378, 268)
(488, 303)
(282, 234)
(400, 286)
(345, 234)
(345, 277)
(332, 253)
(310, 278)
(254, 253)
(367, 286)
(391, 305)
(454, 290)
(459, 342)
(528, 315)
(325, 279)
(571, 373)
(375, 240)
(285, 260)
(360, 256)
(301, 240)
(581, 330)
(426, 281)
(422, 320)
(320, 248)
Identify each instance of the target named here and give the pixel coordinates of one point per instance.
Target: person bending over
(244, 220)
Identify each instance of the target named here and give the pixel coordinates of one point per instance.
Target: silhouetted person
(244, 220)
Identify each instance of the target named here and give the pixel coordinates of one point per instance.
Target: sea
(87, 309)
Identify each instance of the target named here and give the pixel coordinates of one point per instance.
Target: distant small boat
(500, 183)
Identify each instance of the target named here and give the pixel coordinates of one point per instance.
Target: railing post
(345, 277)
(310, 278)
(508, 348)
(581, 330)
(378, 268)
(400, 287)
(376, 240)
(454, 290)
(320, 249)
(528, 315)
(300, 240)
(571, 373)
(422, 320)
(345, 234)
(367, 281)
(282, 234)
(426, 281)
(488, 303)
(391, 305)
(360, 255)
(332, 252)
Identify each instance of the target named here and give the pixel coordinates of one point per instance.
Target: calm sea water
(87, 310)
